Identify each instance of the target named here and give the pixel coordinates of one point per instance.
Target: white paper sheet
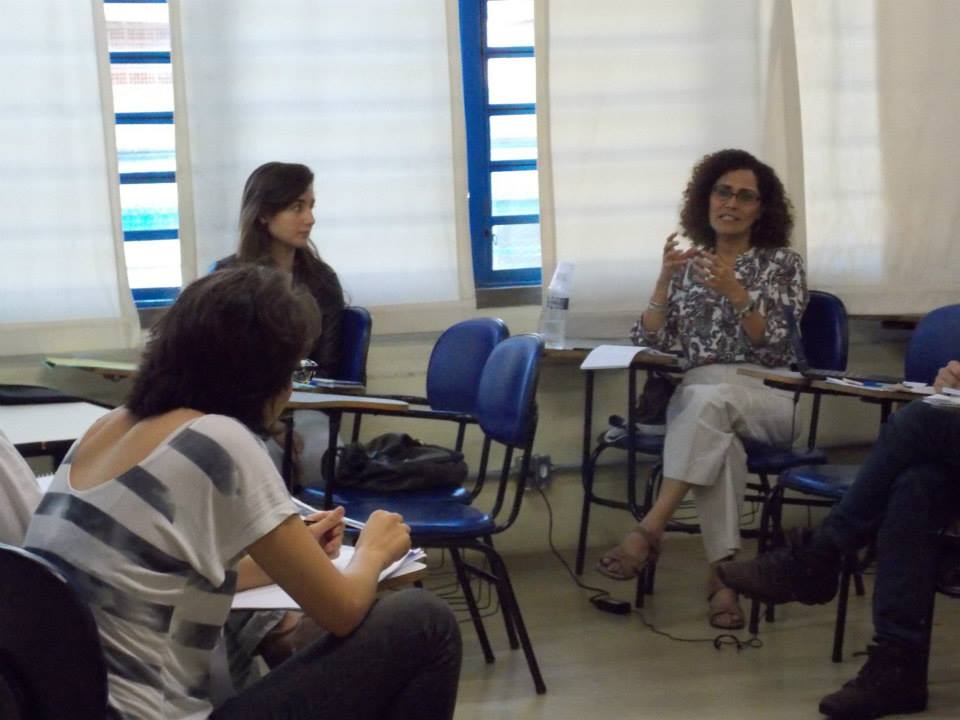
(273, 597)
(611, 357)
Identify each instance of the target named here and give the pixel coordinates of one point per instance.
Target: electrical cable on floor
(719, 642)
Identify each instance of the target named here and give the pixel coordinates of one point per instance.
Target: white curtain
(855, 104)
(881, 124)
(359, 91)
(63, 281)
(638, 93)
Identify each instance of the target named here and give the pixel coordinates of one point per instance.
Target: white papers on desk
(917, 387)
(612, 357)
(865, 384)
(273, 597)
(924, 389)
(949, 398)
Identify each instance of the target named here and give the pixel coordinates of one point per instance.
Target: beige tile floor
(598, 665)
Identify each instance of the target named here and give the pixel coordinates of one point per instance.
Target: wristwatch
(745, 310)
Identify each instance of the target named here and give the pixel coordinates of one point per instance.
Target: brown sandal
(723, 605)
(620, 564)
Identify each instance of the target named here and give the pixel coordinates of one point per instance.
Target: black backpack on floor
(396, 462)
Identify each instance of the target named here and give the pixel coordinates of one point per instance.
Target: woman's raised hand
(387, 534)
(673, 257)
(717, 274)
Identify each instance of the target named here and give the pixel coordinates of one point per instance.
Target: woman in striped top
(170, 504)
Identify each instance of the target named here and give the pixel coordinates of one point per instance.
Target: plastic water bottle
(553, 316)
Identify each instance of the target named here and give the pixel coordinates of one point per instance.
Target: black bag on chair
(395, 461)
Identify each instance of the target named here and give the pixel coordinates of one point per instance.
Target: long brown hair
(270, 188)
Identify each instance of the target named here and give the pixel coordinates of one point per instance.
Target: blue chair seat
(828, 481)
(438, 519)
(770, 460)
(349, 497)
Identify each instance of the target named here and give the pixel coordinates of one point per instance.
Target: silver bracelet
(654, 305)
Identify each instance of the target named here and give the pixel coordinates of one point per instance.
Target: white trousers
(712, 409)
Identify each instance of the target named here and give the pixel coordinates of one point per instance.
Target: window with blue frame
(499, 80)
(138, 38)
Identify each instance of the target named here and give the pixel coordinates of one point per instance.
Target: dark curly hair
(228, 345)
(772, 227)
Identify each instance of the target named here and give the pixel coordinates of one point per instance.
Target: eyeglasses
(306, 372)
(743, 195)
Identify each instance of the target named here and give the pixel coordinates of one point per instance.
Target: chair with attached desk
(51, 662)
(825, 340)
(934, 343)
(355, 332)
(507, 414)
(453, 377)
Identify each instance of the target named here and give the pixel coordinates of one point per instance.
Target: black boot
(806, 570)
(891, 682)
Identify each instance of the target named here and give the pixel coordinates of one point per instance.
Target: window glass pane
(512, 80)
(137, 26)
(146, 148)
(153, 263)
(510, 23)
(516, 246)
(142, 87)
(514, 193)
(150, 206)
(513, 137)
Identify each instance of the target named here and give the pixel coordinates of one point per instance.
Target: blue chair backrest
(507, 391)
(824, 331)
(355, 333)
(457, 362)
(934, 343)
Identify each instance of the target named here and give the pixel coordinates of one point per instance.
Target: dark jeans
(907, 490)
(402, 662)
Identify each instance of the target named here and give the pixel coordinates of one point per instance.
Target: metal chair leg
(507, 619)
(464, 581)
(509, 601)
(587, 480)
(849, 566)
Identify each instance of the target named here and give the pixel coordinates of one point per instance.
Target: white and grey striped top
(154, 553)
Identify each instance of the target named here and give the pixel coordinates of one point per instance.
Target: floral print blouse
(702, 326)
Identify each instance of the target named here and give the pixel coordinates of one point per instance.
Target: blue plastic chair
(355, 332)
(356, 328)
(506, 413)
(934, 343)
(51, 660)
(453, 377)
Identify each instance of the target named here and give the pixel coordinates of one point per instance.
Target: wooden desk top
(300, 400)
(48, 422)
(576, 355)
(790, 380)
(110, 369)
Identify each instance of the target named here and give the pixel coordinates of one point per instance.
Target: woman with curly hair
(721, 305)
